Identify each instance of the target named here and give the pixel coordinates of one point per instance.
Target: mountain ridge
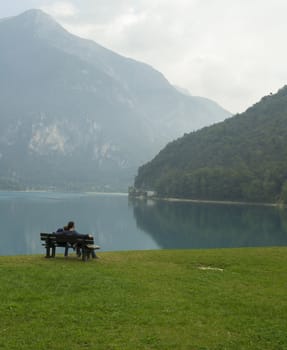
(63, 97)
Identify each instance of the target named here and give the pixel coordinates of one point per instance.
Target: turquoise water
(120, 224)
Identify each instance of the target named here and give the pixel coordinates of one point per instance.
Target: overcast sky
(231, 51)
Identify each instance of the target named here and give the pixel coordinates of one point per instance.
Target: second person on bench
(69, 229)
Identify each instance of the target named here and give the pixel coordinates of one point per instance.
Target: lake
(121, 224)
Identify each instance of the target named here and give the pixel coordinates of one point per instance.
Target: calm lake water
(120, 224)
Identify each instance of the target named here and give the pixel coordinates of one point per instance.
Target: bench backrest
(63, 238)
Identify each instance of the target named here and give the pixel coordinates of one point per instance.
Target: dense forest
(243, 158)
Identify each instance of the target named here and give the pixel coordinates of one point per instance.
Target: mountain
(243, 158)
(75, 114)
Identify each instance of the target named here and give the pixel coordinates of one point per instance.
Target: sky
(231, 51)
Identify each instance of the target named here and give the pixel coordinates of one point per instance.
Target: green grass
(146, 300)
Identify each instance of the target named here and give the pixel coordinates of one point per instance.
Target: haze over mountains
(76, 115)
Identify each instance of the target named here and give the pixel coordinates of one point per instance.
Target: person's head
(70, 226)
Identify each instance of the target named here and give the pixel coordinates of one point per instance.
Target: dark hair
(70, 225)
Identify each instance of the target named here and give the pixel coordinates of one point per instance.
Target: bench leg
(66, 250)
(94, 256)
(47, 252)
(53, 251)
(92, 253)
(78, 252)
(84, 254)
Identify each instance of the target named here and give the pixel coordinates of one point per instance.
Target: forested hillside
(243, 158)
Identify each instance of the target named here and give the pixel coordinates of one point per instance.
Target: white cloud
(60, 9)
(82, 30)
(231, 51)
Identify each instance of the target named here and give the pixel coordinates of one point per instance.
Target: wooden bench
(84, 245)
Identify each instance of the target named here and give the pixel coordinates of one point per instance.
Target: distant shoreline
(167, 199)
(171, 199)
(69, 192)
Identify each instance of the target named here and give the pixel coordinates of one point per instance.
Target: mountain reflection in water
(202, 225)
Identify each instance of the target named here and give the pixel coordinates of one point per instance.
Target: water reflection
(24, 215)
(119, 224)
(199, 225)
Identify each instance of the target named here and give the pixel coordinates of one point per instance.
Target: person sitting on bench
(69, 229)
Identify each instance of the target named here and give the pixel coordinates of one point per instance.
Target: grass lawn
(166, 299)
